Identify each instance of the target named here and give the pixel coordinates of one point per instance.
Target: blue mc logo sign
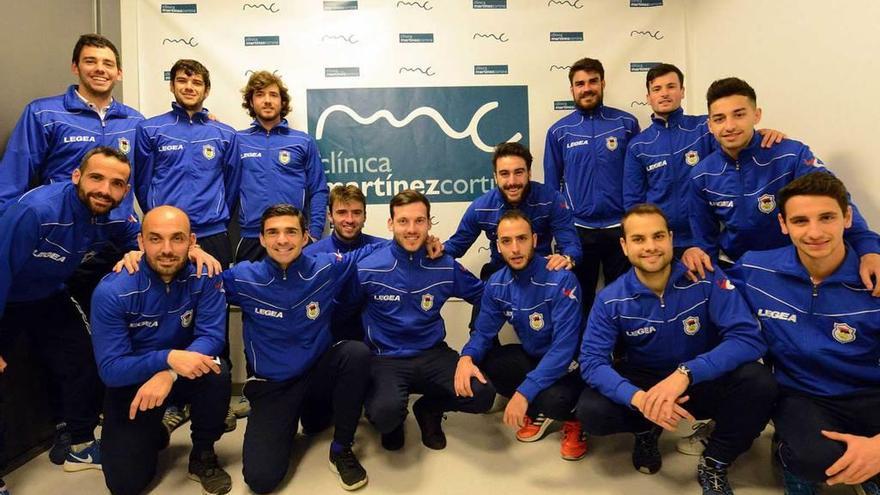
(435, 140)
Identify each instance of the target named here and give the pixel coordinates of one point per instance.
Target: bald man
(156, 335)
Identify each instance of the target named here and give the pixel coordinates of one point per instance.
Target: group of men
(771, 313)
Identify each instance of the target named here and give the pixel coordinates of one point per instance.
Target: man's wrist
(173, 375)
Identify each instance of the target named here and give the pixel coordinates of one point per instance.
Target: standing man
(348, 213)
(278, 165)
(536, 375)
(295, 370)
(823, 330)
(687, 349)
(736, 188)
(156, 335)
(404, 291)
(583, 158)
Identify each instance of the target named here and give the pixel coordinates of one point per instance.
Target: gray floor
(482, 457)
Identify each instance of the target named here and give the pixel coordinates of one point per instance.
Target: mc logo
(436, 140)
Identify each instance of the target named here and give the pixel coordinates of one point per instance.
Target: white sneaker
(695, 443)
(241, 407)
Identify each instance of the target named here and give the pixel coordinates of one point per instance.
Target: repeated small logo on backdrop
(642, 66)
(567, 36)
(191, 41)
(657, 35)
(645, 3)
(179, 8)
(563, 105)
(257, 6)
(418, 70)
(340, 5)
(348, 38)
(416, 37)
(497, 37)
(484, 70)
(262, 40)
(574, 4)
(421, 5)
(342, 71)
(489, 4)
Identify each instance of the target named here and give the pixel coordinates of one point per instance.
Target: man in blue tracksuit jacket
(44, 236)
(583, 158)
(287, 303)
(278, 165)
(659, 160)
(156, 334)
(737, 186)
(185, 159)
(403, 291)
(676, 339)
(822, 327)
(543, 307)
(348, 213)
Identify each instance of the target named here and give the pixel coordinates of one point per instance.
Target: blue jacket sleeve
(464, 237)
(143, 167)
(232, 173)
(704, 225)
(125, 234)
(117, 366)
(24, 155)
(741, 339)
(600, 337)
(317, 191)
(465, 284)
(553, 165)
(635, 180)
(210, 318)
(567, 240)
(567, 327)
(19, 234)
(489, 321)
(229, 287)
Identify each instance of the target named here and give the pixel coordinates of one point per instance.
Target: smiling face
(266, 103)
(98, 71)
(647, 242)
(410, 225)
(165, 239)
(348, 219)
(189, 91)
(284, 238)
(516, 242)
(101, 183)
(587, 89)
(815, 225)
(732, 121)
(665, 94)
(512, 176)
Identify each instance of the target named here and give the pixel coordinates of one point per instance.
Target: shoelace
(347, 459)
(715, 479)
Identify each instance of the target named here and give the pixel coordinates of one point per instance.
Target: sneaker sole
(573, 458)
(542, 431)
(342, 483)
(75, 467)
(196, 478)
(645, 470)
(686, 447)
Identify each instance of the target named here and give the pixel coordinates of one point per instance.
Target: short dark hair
(511, 149)
(516, 214)
(814, 184)
(191, 67)
(729, 86)
(261, 80)
(346, 194)
(661, 70)
(588, 65)
(283, 210)
(409, 196)
(105, 151)
(642, 209)
(97, 41)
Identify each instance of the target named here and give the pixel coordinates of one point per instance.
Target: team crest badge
(843, 333)
(313, 310)
(692, 157)
(767, 203)
(427, 301)
(186, 318)
(284, 157)
(124, 145)
(208, 151)
(611, 143)
(691, 325)
(536, 321)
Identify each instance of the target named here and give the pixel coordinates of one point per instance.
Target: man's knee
(758, 382)
(484, 396)
(593, 410)
(129, 483)
(261, 478)
(356, 354)
(808, 462)
(386, 414)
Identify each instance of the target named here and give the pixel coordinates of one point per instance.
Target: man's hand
(556, 262)
(697, 262)
(204, 260)
(192, 365)
(515, 412)
(860, 462)
(152, 393)
(661, 404)
(464, 371)
(769, 137)
(130, 262)
(434, 247)
(869, 266)
(2, 364)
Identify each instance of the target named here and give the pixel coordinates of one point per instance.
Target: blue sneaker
(4, 490)
(795, 485)
(870, 487)
(87, 458)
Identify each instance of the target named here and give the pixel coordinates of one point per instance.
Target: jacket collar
(279, 128)
(404, 255)
(634, 286)
(788, 263)
(672, 119)
(201, 115)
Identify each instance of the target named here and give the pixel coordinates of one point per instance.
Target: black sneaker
(205, 469)
(351, 474)
(712, 476)
(393, 440)
(430, 422)
(646, 456)
(61, 444)
(231, 421)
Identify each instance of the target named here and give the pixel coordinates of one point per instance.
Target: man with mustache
(279, 165)
(583, 158)
(156, 334)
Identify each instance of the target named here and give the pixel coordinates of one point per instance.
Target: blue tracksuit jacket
(190, 163)
(583, 158)
(137, 320)
(543, 307)
(280, 166)
(705, 325)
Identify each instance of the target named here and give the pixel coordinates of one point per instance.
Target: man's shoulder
(573, 118)
(48, 104)
(617, 292)
(380, 258)
(611, 113)
(45, 201)
(159, 120)
(225, 129)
